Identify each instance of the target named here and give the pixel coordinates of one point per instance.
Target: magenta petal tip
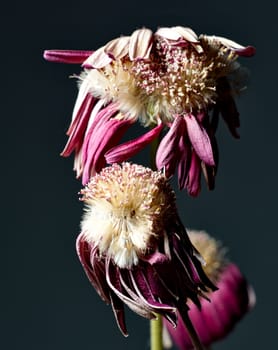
(66, 56)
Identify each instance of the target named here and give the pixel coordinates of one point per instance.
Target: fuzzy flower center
(176, 79)
(212, 252)
(126, 207)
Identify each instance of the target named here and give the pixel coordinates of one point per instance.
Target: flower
(226, 306)
(134, 248)
(171, 78)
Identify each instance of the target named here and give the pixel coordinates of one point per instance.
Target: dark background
(47, 302)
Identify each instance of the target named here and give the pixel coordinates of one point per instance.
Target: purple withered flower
(225, 307)
(171, 78)
(134, 248)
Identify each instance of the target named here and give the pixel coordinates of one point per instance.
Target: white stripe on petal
(140, 44)
(118, 48)
(98, 59)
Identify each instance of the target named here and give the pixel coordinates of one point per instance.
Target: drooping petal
(119, 313)
(78, 126)
(128, 149)
(95, 276)
(117, 48)
(184, 150)
(140, 44)
(113, 279)
(227, 107)
(167, 155)
(193, 183)
(66, 56)
(107, 135)
(98, 59)
(199, 139)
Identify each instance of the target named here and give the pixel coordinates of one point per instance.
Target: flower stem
(156, 333)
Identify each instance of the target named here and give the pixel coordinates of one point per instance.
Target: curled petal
(129, 149)
(199, 139)
(66, 56)
(246, 51)
(117, 48)
(140, 44)
(108, 134)
(98, 59)
(95, 275)
(118, 310)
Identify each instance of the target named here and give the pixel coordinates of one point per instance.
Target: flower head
(171, 78)
(134, 248)
(226, 306)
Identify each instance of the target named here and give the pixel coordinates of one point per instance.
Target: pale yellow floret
(124, 214)
(174, 80)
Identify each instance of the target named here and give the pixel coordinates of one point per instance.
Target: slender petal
(78, 127)
(128, 149)
(105, 137)
(66, 56)
(193, 183)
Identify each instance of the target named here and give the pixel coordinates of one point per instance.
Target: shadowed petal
(117, 48)
(129, 149)
(119, 313)
(66, 56)
(199, 139)
(140, 44)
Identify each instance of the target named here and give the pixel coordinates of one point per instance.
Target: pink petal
(102, 116)
(140, 44)
(117, 48)
(166, 154)
(106, 136)
(97, 278)
(193, 183)
(184, 161)
(97, 60)
(129, 149)
(66, 56)
(78, 126)
(199, 140)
